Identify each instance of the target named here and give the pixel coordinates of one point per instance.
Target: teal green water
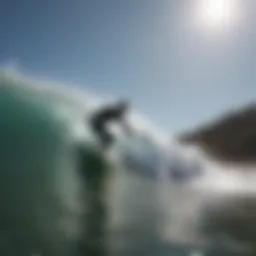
(39, 183)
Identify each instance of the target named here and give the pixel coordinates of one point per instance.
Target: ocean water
(39, 185)
(61, 197)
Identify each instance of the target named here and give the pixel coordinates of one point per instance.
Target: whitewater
(45, 197)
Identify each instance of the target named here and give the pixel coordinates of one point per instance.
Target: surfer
(104, 116)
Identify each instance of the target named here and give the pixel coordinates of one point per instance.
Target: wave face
(39, 185)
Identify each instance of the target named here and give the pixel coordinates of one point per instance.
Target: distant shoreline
(230, 140)
(221, 159)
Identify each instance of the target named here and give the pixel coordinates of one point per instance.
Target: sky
(180, 62)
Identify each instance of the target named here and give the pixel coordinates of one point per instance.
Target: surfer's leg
(106, 139)
(98, 130)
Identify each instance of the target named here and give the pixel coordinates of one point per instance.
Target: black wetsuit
(100, 120)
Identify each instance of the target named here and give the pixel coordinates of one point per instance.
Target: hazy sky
(179, 61)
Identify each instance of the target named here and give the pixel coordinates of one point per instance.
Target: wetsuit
(100, 120)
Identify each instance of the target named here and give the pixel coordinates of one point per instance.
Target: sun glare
(216, 13)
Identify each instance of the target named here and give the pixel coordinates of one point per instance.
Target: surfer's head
(123, 105)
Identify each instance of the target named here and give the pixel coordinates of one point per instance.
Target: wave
(42, 124)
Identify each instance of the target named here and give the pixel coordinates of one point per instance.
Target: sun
(216, 13)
